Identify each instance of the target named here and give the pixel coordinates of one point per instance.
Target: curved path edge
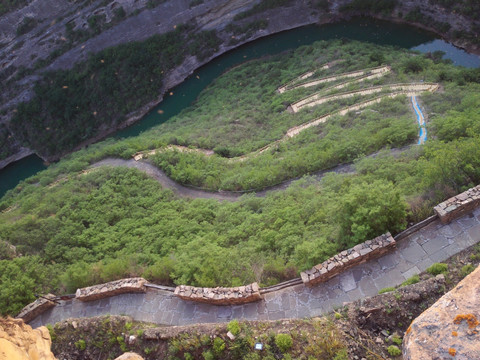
(434, 242)
(191, 192)
(198, 193)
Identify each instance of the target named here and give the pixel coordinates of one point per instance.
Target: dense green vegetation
(73, 105)
(74, 230)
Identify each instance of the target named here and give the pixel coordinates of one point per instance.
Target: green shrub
(284, 342)
(393, 350)
(387, 289)
(27, 24)
(208, 355)
(51, 331)
(234, 327)
(341, 355)
(188, 356)
(467, 269)
(81, 345)
(218, 345)
(397, 340)
(437, 268)
(413, 280)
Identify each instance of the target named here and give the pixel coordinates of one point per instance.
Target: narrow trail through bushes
(391, 91)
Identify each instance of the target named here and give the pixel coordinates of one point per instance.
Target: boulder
(18, 341)
(129, 356)
(449, 329)
(111, 288)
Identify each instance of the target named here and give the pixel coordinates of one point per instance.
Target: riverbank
(279, 19)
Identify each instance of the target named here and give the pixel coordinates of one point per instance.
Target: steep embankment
(58, 41)
(19, 341)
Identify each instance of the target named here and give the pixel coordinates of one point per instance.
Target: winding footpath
(435, 242)
(389, 90)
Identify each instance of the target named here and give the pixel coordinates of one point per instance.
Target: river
(375, 31)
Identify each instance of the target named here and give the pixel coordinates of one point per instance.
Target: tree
(371, 209)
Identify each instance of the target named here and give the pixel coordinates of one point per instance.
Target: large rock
(111, 288)
(130, 356)
(449, 329)
(18, 341)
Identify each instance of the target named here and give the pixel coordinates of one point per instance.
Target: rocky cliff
(450, 328)
(34, 39)
(19, 341)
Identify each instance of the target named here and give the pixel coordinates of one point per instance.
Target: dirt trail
(190, 192)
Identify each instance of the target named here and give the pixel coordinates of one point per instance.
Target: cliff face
(450, 327)
(19, 342)
(55, 21)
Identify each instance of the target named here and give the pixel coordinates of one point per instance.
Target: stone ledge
(111, 289)
(220, 295)
(337, 264)
(39, 306)
(458, 205)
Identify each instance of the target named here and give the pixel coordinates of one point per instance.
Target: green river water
(375, 31)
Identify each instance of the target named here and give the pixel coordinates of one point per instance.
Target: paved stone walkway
(433, 243)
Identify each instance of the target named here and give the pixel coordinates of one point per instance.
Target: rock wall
(111, 289)
(449, 329)
(360, 253)
(32, 310)
(220, 295)
(19, 341)
(458, 205)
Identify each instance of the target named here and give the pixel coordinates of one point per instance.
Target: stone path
(433, 243)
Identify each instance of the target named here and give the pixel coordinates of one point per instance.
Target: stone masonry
(458, 205)
(32, 310)
(359, 254)
(220, 295)
(112, 288)
(432, 243)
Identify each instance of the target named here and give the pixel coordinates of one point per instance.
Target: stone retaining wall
(110, 289)
(458, 205)
(32, 310)
(220, 295)
(348, 258)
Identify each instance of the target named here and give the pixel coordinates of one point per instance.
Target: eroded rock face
(18, 341)
(449, 329)
(129, 356)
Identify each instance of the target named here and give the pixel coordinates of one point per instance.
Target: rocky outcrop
(458, 205)
(220, 295)
(110, 289)
(18, 341)
(450, 328)
(346, 259)
(129, 356)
